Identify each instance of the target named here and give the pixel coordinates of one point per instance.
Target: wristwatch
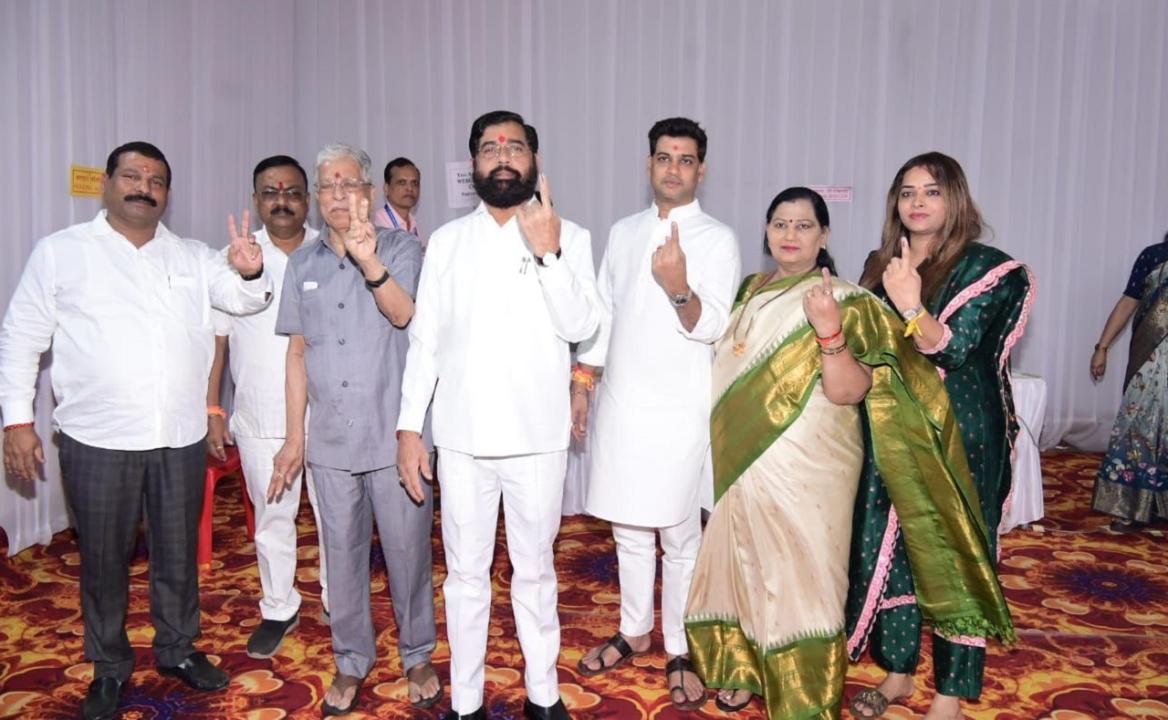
(912, 312)
(682, 298)
(374, 284)
(548, 259)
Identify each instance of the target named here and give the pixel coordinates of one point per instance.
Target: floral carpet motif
(1091, 609)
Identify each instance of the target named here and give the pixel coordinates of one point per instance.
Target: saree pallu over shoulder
(1149, 322)
(915, 441)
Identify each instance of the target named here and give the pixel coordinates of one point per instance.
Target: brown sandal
(616, 642)
(417, 676)
(682, 665)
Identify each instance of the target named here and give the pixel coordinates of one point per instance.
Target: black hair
(678, 127)
(141, 147)
(497, 117)
(397, 163)
(822, 217)
(277, 161)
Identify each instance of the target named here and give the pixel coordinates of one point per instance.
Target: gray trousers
(106, 491)
(348, 505)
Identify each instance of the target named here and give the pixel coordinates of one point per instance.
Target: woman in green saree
(766, 608)
(966, 305)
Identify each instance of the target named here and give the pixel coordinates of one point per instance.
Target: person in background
(280, 194)
(1132, 482)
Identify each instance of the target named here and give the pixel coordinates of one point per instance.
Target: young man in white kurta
(502, 293)
(651, 434)
(258, 420)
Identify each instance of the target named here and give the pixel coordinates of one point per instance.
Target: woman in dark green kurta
(967, 305)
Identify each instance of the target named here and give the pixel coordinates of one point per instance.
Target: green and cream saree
(766, 606)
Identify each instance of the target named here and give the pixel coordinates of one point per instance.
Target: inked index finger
(827, 280)
(245, 222)
(904, 250)
(673, 237)
(545, 192)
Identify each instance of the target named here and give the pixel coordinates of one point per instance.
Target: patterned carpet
(1091, 609)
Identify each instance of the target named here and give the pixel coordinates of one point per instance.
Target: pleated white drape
(1056, 110)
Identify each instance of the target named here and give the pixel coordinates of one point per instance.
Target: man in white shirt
(503, 292)
(126, 305)
(666, 285)
(403, 189)
(257, 424)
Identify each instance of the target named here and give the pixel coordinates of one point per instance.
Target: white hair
(336, 151)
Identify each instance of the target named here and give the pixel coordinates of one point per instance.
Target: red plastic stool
(216, 471)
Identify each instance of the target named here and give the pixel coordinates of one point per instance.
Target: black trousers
(107, 491)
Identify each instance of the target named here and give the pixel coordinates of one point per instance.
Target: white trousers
(531, 487)
(275, 529)
(636, 553)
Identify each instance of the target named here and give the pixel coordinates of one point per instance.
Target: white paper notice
(459, 184)
(834, 193)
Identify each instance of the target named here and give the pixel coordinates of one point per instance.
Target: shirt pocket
(186, 298)
(312, 315)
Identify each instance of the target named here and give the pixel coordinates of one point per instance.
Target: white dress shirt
(130, 330)
(258, 355)
(489, 340)
(651, 436)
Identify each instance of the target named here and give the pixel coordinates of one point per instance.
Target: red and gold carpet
(1091, 609)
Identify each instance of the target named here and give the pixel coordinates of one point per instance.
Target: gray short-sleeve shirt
(353, 355)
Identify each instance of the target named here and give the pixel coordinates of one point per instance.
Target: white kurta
(652, 430)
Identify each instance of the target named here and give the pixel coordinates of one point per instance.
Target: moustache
(503, 173)
(281, 210)
(144, 198)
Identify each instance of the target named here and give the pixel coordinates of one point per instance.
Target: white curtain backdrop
(1055, 109)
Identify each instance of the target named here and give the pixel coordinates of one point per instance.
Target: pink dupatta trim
(872, 603)
(986, 283)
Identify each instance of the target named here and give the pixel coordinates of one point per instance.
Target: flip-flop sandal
(616, 642)
(417, 676)
(728, 707)
(682, 665)
(342, 683)
(873, 700)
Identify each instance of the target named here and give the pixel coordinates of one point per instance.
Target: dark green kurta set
(991, 292)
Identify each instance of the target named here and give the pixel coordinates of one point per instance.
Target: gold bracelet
(834, 350)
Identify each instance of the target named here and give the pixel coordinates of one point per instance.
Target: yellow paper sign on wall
(85, 181)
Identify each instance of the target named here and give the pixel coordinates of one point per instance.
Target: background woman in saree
(1132, 483)
(968, 304)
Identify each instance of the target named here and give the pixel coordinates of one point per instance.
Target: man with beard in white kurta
(503, 291)
(666, 284)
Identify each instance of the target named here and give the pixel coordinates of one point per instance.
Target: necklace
(739, 346)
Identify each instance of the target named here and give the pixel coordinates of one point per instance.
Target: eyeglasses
(344, 187)
(491, 151)
(292, 195)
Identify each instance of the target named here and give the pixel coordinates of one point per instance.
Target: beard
(504, 187)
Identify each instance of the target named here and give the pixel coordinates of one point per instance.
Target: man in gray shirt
(346, 298)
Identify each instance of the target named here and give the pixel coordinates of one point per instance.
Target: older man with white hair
(347, 297)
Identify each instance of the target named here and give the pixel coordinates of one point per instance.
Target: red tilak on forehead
(337, 175)
(502, 139)
(279, 186)
(674, 148)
